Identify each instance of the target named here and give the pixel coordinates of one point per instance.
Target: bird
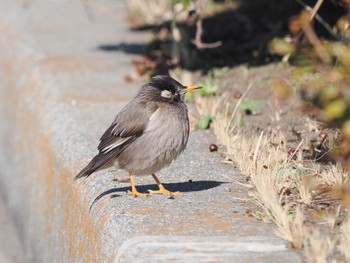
(149, 133)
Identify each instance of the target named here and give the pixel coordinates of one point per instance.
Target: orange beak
(192, 88)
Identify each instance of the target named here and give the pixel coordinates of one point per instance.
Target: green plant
(189, 96)
(238, 121)
(218, 72)
(204, 123)
(208, 88)
(250, 105)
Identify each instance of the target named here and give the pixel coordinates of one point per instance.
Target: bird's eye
(166, 94)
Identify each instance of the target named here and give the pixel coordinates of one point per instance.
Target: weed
(218, 72)
(208, 88)
(250, 106)
(204, 122)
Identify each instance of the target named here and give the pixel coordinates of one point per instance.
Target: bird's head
(165, 88)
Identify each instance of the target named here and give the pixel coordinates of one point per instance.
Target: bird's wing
(129, 124)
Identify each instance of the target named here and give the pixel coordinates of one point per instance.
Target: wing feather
(129, 124)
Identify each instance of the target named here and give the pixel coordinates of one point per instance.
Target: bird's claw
(136, 193)
(164, 191)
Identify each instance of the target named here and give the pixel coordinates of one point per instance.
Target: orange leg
(162, 189)
(134, 191)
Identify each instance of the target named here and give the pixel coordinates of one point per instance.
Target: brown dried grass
(271, 170)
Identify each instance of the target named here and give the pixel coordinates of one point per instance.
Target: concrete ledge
(204, 249)
(58, 93)
(11, 250)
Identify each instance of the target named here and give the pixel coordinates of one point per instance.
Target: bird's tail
(96, 163)
(86, 171)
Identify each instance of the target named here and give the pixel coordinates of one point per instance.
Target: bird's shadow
(130, 48)
(190, 186)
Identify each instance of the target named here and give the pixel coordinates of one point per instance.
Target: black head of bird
(166, 89)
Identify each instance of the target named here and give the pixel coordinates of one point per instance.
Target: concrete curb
(204, 249)
(11, 250)
(58, 94)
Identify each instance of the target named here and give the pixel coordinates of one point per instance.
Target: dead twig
(293, 153)
(197, 41)
(237, 182)
(237, 106)
(313, 38)
(323, 23)
(316, 8)
(255, 156)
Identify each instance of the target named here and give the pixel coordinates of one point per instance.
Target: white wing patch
(153, 116)
(166, 94)
(119, 141)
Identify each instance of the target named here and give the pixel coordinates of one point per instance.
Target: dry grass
(284, 186)
(318, 248)
(156, 12)
(345, 240)
(150, 12)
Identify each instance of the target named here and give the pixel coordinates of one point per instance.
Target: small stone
(238, 95)
(213, 148)
(291, 151)
(249, 212)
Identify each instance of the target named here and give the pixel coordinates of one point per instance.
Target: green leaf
(204, 122)
(252, 105)
(219, 72)
(189, 96)
(281, 171)
(208, 88)
(238, 121)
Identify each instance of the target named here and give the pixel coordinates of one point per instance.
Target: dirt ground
(263, 109)
(306, 141)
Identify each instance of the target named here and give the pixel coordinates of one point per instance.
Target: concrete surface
(59, 91)
(11, 250)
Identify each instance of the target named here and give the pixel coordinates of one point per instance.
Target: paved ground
(65, 90)
(11, 250)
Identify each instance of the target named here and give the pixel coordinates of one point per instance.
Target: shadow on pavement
(190, 186)
(130, 48)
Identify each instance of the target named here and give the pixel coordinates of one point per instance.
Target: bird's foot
(164, 191)
(136, 193)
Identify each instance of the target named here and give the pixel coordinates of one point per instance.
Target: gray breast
(164, 138)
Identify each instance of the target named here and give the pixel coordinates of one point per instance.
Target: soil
(275, 114)
(306, 140)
